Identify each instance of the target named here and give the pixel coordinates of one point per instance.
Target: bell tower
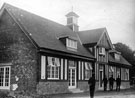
(72, 21)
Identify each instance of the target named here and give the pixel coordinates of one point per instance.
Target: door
(100, 78)
(72, 78)
(101, 75)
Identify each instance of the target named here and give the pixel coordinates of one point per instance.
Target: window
(5, 77)
(88, 70)
(126, 74)
(43, 67)
(102, 58)
(75, 20)
(117, 56)
(71, 43)
(53, 68)
(118, 72)
(101, 51)
(122, 73)
(69, 20)
(72, 63)
(111, 71)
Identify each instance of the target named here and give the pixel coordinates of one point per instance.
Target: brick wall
(17, 49)
(52, 87)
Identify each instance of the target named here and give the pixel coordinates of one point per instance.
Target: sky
(118, 16)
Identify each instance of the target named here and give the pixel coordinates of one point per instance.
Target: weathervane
(72, 8)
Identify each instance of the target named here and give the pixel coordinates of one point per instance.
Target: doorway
(72, 77)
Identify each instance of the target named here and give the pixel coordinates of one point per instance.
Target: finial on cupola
(72, 20)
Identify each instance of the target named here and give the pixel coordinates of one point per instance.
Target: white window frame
(6, 87)
(71, 43)
(51, 72)
(43, 67)
(51, 67)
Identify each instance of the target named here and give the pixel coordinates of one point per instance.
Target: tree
(128, 54)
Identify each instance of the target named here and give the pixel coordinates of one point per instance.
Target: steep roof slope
(91, 36)
(45, 32)
(121, 61)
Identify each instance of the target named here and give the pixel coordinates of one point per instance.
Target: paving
(128, 93)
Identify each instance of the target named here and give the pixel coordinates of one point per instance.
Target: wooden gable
(105, 41)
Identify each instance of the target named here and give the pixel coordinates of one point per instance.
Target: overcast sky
(118, 16)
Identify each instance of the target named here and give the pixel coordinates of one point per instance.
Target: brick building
(40, 55)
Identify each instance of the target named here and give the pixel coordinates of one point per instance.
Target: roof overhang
(65, 54)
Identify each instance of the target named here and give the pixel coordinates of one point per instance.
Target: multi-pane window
(88, 70)
(71, 43)
(5, 77)
(53, 68)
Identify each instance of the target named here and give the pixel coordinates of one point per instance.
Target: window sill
(5, 88)
(52, 78)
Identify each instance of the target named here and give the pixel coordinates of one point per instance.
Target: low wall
(125, 85)
(62, 87)
(52, 87)
(83, 85)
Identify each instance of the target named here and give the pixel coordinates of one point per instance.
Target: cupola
(72, 21)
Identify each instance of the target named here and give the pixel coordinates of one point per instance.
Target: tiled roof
(45, 32)
(121, 61)
(91, 36)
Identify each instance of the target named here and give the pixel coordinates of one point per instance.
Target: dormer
(117, 56)
(72, 21)
(69, 42)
